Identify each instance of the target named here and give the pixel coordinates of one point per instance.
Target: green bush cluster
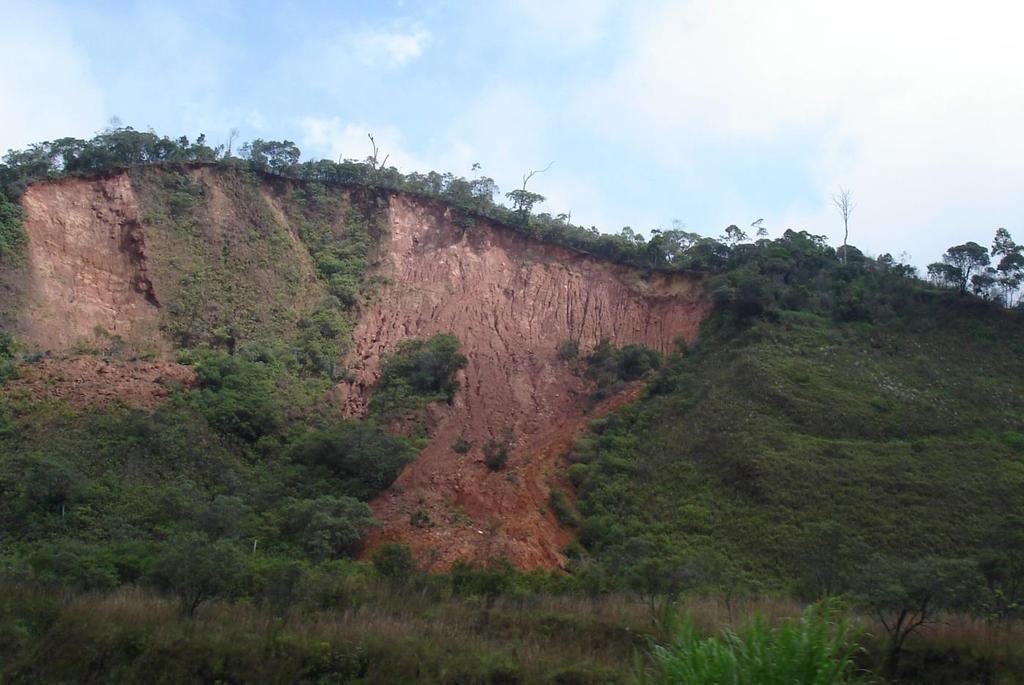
(496, 452)
(12, 234)
(8, 357)
(811, 651)
(611, 368)
(418, 372)
(562, 509)
(100, 497)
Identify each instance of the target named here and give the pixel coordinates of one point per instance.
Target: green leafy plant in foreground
(811, 651)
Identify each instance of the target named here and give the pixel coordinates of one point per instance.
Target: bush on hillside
(417, 373)
(358, 458)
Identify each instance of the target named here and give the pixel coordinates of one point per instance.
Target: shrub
(562, 509)
(811, 651)
(12, 234)
(418, 373)
(462, 446)
(394, 561)
(197, 569)
(327, 527)
(495, 454)
(420, 519)
(359, 458)
(238, 396)
(8, 367)
(609, 366)
(569, 349)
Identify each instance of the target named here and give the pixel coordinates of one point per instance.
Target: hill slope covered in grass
(827, 414)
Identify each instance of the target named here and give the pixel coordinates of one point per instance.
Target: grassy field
(380, 633)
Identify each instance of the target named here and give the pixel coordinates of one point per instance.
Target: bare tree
(527, 177)
(759, 228)
(375, 151)
(232, 135)
(843, 200)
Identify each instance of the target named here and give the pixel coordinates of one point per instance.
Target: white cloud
(48, 90)
(569, 24)
(503, 130)
(390, 49)
(332, 138)
(916, 105)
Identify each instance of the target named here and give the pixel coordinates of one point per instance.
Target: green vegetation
(611, 368)
(840, 428)
(8, 358)
(827, 414)
(217, 278)
(100, 497)
(811, 651)
(388, 623)
(667, 249)
(12, 234)
(562, 509)
(417, 373)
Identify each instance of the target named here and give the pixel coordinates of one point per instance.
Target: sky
(708, 112)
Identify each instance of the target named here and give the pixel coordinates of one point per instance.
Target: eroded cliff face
(95, 269)
(86, 266)
(511, 301)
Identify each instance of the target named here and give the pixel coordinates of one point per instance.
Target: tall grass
(813, 650)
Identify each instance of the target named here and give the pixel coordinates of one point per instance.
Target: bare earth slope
(98, 270)
(511, 301)
(86, 264)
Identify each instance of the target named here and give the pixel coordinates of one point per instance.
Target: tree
(197, 569)
(1009, 272)
(232, 136)
(328, 527)
(273, 155)
(522, 199)
(905, 595)
(760, 230)
(372, 159)
(394, 561)
(843, 200)
(982, 283)
(733, 235)
(959, 264)
(1003, 569)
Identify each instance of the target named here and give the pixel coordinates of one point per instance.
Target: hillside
(226, 381)
(151, 263)
(785, 455)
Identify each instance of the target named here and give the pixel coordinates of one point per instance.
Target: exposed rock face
(511, 301)
(86, 265)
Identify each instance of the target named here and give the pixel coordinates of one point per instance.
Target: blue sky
(709, 113)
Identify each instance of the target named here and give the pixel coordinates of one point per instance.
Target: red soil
(90, 381)
(511, 301)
